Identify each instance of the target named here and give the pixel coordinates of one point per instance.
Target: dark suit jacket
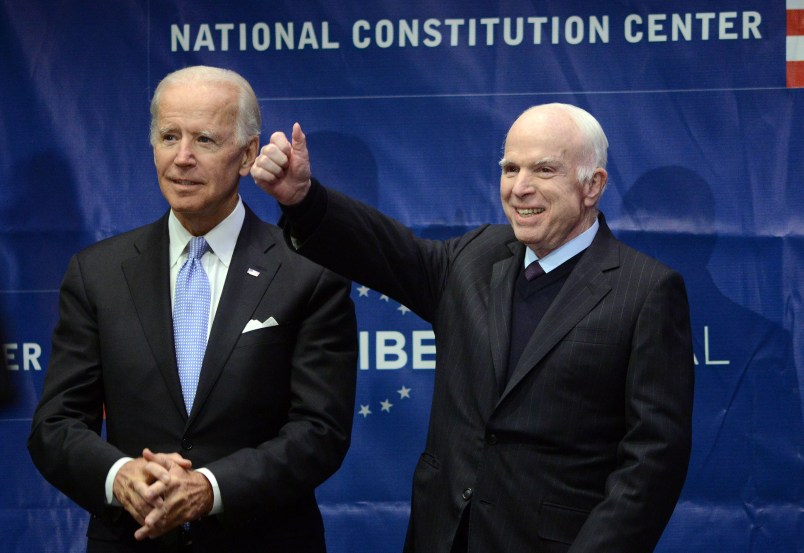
(588, 442)
(273, 411)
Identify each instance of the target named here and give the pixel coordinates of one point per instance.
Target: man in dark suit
(561, 415)
(227, 459)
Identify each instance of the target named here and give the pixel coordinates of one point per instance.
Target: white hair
(248, 122)
(595, 147)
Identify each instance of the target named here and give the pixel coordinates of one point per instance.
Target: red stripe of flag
(795, 22)
(795, 74)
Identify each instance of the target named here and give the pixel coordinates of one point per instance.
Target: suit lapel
(503, 278)
(585, 287)
(148, 278)
(242, 291)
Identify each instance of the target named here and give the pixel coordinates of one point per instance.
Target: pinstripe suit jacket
(585, 447)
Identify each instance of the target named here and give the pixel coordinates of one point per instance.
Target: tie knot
(198, 247)
(533, 270)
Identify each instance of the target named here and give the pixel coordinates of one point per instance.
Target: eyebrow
(550, 160)
(204, 132)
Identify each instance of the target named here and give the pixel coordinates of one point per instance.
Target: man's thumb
(299, 141)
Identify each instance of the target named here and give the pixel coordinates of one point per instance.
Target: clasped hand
(161, 492)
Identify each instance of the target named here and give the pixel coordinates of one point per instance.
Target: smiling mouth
(183, 182)
(530, 212)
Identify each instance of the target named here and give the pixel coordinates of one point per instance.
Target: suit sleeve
(383, 254)
(311, 445)
(652, 458)
(65, 442)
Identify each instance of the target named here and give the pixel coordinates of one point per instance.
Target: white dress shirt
(222, 240)
(565, 252)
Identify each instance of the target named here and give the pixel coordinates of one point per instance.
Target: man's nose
(523, 184)
(185, 155)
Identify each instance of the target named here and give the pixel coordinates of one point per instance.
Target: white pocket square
(254, 324)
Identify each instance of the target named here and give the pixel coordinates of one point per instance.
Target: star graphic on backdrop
(365, 411)
(384, 298)
(386, 405)
(363, 291)
(404, 392)
(403, 309)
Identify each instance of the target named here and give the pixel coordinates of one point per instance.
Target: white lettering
(705, 18)
(433, 34)
(656, 27)
(8, 353)
(261, 37)
(631, 35)
(390, 343)
(682, 26)
(420, 349)
(408, 33)
(363, 350)
(224, 28)
(751, 21)
(599, 29)
(509, 39)
(691, 26)
(384, 33)
(284, 35)
(31, 352)
(556, 30)
(307, 37)
(243, 37)
(325, 41)
(392, 350)
(490, 22)
(707, 359)
(180, 37)
(574, 30)
(357, 40)
(726, 21)
(537, 22)
(457, 32)
(454, 25)
(204, 39)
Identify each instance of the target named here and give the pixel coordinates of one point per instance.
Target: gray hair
(248, 122)
(595, 143)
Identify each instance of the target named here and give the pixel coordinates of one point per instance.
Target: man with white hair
(562, 406)
(223, 363)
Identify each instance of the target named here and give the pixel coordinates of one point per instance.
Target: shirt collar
(564, 252)
(221, 239)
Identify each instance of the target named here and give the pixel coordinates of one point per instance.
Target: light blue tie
(190, 319)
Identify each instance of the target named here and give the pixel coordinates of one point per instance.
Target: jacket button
(467, 494)
(186, 444)
(491, 439)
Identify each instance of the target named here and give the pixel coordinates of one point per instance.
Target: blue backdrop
(406, 105)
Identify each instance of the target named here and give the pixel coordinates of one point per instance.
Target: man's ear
(595, 187)
(249, 155)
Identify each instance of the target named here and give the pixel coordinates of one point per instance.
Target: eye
(169, 137)
(510, 169)
(545, 170)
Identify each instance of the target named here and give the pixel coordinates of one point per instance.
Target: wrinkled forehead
(199, 99)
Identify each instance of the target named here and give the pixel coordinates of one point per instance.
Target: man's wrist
(302, 219)
(111, 500)
(217, 504)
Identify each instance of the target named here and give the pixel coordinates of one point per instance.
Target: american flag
(795, 43)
